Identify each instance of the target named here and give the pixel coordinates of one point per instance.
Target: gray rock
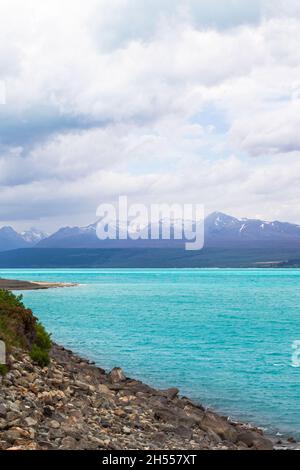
(74, 405)
(68, 443)
(175, 416)
(12, 416)
(184, 432)
(126, 430)
(3, 410)
(253, 439)
(54, 424)
(170, 393)
(30, 422)
(213, 422)
(261, 443)
(117, 375)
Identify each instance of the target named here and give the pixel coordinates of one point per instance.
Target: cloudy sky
(161, 100)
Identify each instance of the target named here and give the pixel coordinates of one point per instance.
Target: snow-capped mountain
(86, 237)
(221, 230)
(33, 236)
(72, 237)
(10, 239)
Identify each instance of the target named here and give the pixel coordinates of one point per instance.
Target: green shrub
(20, 328)
(8, 299)
(40, 350)
(17, 324)
(43, 339)
(40, 356)
(3, 369)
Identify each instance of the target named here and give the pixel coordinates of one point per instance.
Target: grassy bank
(19, 328)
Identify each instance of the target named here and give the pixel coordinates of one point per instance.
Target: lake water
(224, 337)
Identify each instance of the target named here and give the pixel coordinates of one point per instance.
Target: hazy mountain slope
(220, 230)
(224, 230)
(33, 236)
(10, 239)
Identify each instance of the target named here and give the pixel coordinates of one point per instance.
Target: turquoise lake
(224, 337)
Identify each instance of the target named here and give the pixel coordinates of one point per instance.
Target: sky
(165, 101)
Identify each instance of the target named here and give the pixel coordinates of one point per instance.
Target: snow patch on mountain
(33, 235)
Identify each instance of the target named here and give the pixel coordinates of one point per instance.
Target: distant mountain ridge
(33, 236)
(221, 230)
(11, 240)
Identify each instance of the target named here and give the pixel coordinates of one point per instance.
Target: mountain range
(11, 240)
(221, 230)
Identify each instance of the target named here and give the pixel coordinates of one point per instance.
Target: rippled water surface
(224, 337)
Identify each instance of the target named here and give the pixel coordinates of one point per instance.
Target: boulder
(117, 375)
(262, 443)
(170, 393)
(173, 416)
(3, 410)
(30, 422)
(255, 440)
(213, 422)
(68, 443)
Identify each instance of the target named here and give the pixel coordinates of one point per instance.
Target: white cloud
(150, 98)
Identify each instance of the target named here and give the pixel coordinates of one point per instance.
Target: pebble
(72, 404)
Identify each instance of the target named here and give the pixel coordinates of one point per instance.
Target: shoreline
(12, 284)
(178, 420)
(279, 441)
(73, 404)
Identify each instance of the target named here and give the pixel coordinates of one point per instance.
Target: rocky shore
(72, 404)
